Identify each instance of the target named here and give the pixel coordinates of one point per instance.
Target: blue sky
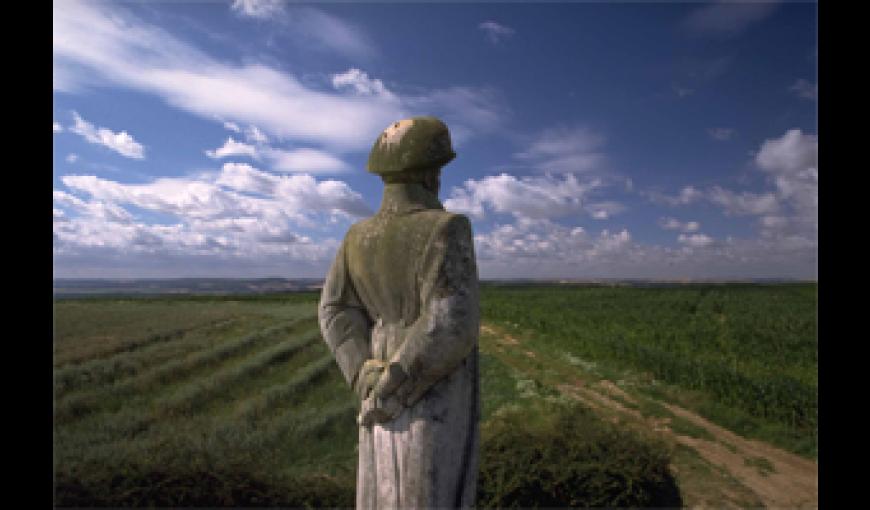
(594, 140)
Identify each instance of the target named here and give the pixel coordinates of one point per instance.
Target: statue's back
(385, 255)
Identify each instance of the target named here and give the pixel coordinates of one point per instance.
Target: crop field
(236, 401)
(744, 356)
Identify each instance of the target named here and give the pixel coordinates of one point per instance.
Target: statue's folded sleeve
(344, 323)
(447, 329)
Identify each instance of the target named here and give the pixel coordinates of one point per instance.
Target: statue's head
(412, 150)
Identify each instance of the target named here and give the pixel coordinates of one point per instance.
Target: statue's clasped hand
(381, 400)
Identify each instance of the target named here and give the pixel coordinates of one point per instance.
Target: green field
(745, 356)
(225, 401)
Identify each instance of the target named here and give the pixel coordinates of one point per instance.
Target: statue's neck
(406, 197)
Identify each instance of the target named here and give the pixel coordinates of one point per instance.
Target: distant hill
(88, 287)
(73, 287)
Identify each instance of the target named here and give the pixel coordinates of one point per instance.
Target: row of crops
(750, 347)
(215, 402)
(237, 402)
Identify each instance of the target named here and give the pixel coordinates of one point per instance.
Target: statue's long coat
(403, 287)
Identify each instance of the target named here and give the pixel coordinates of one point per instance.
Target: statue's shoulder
(454, 221)
(442, 216)
(358, 228)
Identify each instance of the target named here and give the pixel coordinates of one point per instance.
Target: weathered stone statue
(399, 311)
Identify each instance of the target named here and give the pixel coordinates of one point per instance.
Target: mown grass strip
(326, 417)
(256, 408)
(125, 364)
(130, 345)
(106, 440)
(81, 404)
(188, 398)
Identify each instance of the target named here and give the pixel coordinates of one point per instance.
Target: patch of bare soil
(728, 471)
(501, 337)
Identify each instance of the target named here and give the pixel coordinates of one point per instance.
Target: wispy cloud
(113, 45)
(728, 18)
(806, 90)
(107, 43)
(121, 142)
(787, 212)
(720, 133)
(496, 32)
(675, 224)
(681, 91)
(695, 240)
(305, 160)
(260, 9)
(233, 148)
(57, 127)
(686, 196)
(564, 150)
(312, 27)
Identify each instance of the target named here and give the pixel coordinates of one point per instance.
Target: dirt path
(723, 469)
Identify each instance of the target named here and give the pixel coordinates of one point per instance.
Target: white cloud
(544, 249)
(232, 126)
(94, 209)
(253, 134)
(787, 214)
(804, 89)
(305, 160)
(728, 18)
(674, 224)
(260, 9)
(57, 127)
(72, 157)
(524, 197)
(546, 241)
(102, 43)
(237, 217)
(792, 153)
(122, 142)
(604, 210)
(791, 162)
(695, 240)
(233, 148)
(720, 133)
(298, 197)
(496, 32)
(360, 83)
(688, 195)
(745, 203)
(302, 160)
(111, 44)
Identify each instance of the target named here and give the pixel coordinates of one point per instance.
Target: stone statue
(399, 311)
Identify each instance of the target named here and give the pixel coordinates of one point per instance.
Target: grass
(229, 400)
(745, 352)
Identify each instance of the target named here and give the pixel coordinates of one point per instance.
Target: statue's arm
(447, 329)
(344, 322)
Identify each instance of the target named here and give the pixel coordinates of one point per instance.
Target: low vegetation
(236, 401)
(744, 356)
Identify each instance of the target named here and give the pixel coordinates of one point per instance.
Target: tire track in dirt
(778, 479)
